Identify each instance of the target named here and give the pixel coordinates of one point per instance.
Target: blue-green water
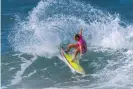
(33, 30)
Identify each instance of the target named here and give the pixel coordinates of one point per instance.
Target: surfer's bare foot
(66, 51)
(72, 60)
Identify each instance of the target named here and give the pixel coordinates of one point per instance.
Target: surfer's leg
(76, 53)
(71, 46)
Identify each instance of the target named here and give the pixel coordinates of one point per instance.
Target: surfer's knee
(72, 46)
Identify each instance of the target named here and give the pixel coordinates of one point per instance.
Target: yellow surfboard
(74, 66)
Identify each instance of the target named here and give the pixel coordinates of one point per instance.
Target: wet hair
(76, 35)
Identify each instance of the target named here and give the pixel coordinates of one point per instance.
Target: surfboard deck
(74, 66)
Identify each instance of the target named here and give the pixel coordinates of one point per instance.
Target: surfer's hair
(76, 35)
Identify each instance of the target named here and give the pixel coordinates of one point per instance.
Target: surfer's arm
(80, 33)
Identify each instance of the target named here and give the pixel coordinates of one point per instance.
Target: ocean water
(33, 31)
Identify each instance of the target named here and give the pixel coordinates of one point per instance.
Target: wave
(54, 22)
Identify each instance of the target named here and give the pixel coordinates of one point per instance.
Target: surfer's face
(76, 38)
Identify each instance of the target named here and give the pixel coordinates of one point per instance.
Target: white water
(52, 23)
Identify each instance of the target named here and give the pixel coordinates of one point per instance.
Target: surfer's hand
(81, 29)
(81, 53)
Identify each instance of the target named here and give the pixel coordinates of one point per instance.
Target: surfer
(80, 46)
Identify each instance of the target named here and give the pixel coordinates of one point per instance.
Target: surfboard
(74, 66)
